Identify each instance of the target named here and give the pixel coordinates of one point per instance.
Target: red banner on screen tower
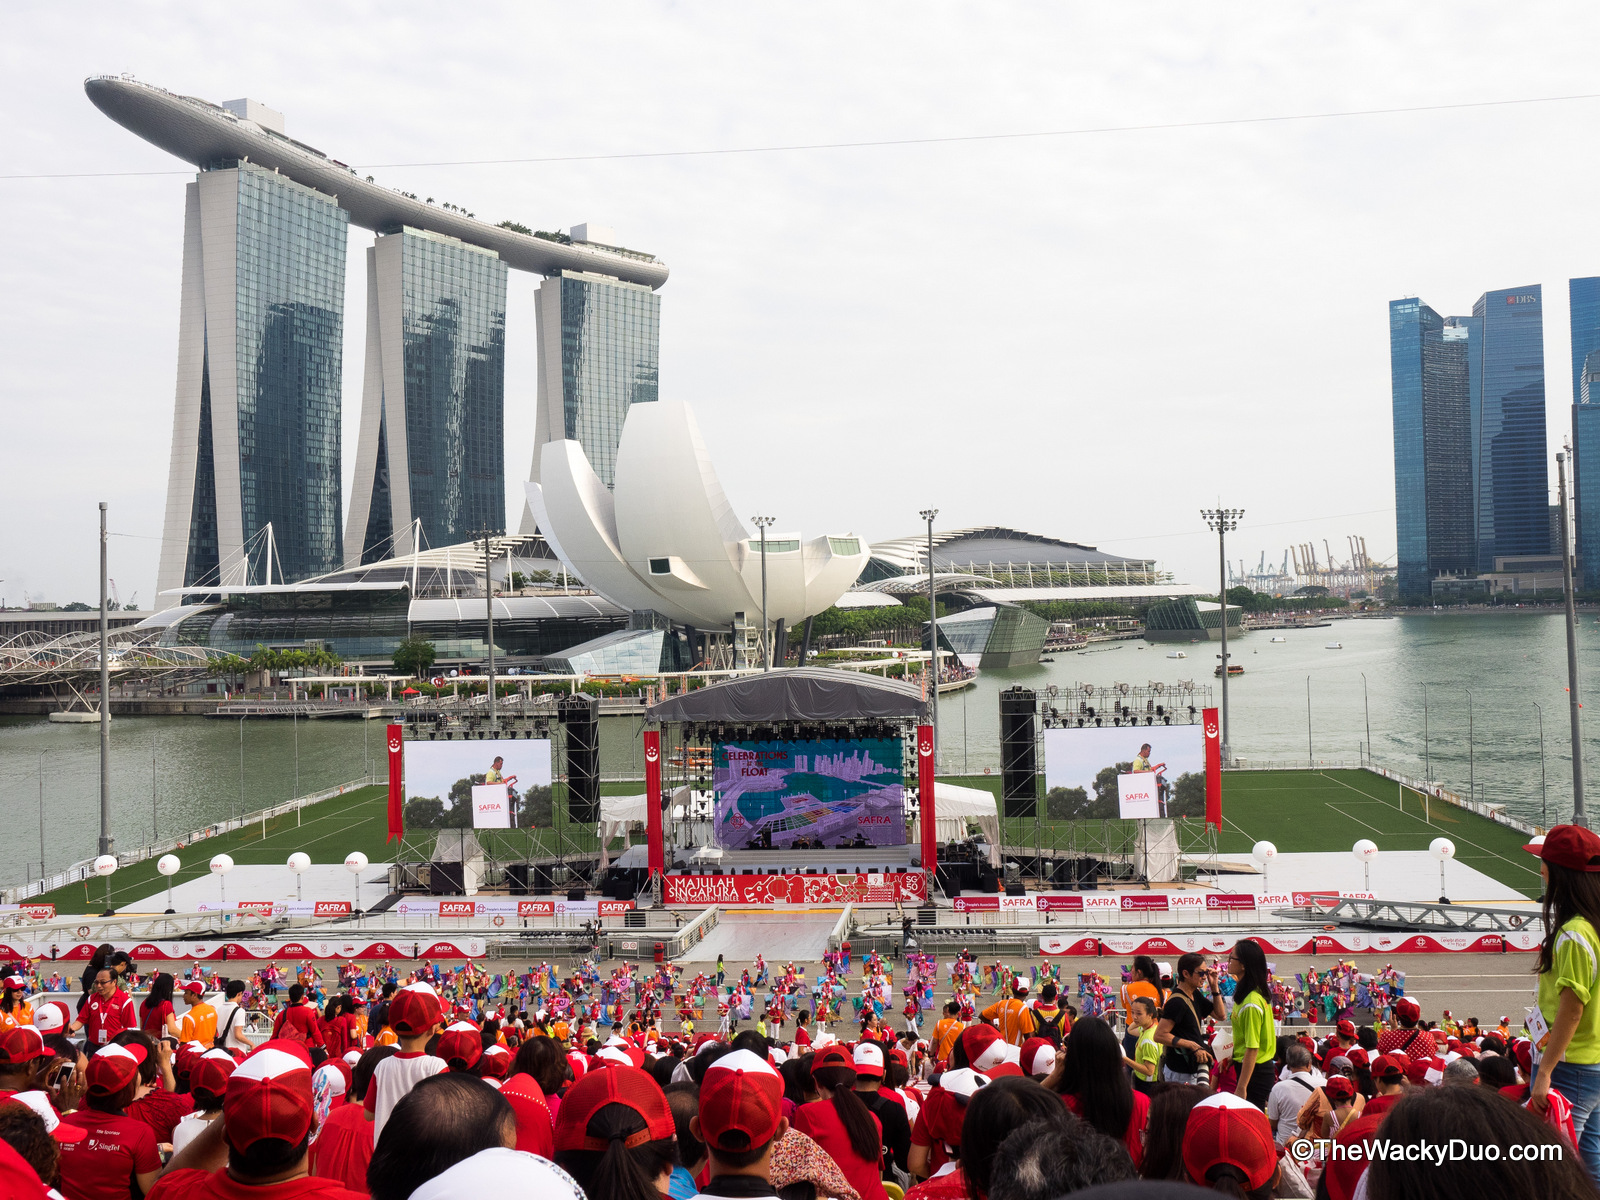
(1213, 768)
(396, 783)
(925, 786)
(652, 801)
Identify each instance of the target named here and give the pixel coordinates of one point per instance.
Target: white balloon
(221, 864)
(1263, 852)
(299, 861)
(1442, 848)
(168, 864)
(1365, 850)
(105, 864)
(355, 862)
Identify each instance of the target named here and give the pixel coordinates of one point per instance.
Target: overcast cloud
(1089, 337)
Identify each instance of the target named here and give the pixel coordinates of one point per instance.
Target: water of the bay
(1507, 661)
(171, 775)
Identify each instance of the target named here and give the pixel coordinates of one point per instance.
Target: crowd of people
(434, 1086)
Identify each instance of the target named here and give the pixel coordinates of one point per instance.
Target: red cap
(740, 1093)
(1225, 1128)
(1038, 1056)
(269, 1096)
(461, 1041)
(211, 1071)
(114, 1068)
(1522, 1051)
(414, 1010)
(1422, 1071)
(1346, 1029)
(869, 1060)
(21, 1044)
(618, 1085)
(834, 1056)
(1570, 846)
(15, 982)
(1358, 1056)
(1339, 1087)
(51, 1017)
(1390, 1066)
(194, 986)
(496, 1061)
(983, 1047)
(1407, 1009)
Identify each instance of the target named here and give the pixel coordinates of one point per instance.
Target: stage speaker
(1015, 889)
(949, 879)
(1019, 774)
(445, 879)
(625, 891)
(542, 881)
(577, 894)
(988, 883)
(1088, 871)
(580, 722)
(517, 878)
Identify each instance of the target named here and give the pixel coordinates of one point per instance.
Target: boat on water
(75, 717)
(1334, 646)
(1233, 669)
(1176, 654)
(1278, 639)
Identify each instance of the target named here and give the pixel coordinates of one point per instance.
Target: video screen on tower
(501, 784)
(809, 795)
(1134, 772)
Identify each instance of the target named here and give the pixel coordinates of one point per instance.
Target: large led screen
(809, 795)
(1135, 772)
(498, 784)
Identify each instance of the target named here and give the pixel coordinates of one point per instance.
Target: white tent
(953, 807)
(619, 816)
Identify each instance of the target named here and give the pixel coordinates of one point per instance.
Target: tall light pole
(42, 753)
(1427, 755)
(763, 524)
(488, 600)
(1579, 817)
(1472, 762)
(928, 514)
(104, 840)
(1544, 802)
(1223, 521)
(1367, 709)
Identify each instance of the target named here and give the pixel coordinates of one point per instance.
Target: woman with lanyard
(1255, 1042)
(1569, 977)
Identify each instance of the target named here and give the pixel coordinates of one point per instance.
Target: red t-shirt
(344, 1147)
(104, 1019)
(194, 1184)
(1133, 1136)
(302, 1017)
(820, 1122)
(952, 1185)
(339, 1035)
(801, 1037)
(161, 1110)
(154, 1020)
(535, 1122)
(102, 1165)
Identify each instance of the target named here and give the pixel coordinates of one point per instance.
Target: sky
(1090, 336)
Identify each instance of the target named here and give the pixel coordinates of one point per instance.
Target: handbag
(1181, 1060)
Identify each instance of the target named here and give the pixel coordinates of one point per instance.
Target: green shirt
(1252, 1030)
(1148, 1050)
(1576, 965)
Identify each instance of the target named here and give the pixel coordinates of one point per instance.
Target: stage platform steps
(779, 937)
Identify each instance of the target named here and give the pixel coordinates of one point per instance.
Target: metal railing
(1415, 916)
(842, 927)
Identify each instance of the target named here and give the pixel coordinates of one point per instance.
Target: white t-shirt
(225, 1009)
(189, 1127)
(1284, 1103)
(392, 1079)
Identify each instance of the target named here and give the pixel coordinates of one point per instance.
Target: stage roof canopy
(796, 694)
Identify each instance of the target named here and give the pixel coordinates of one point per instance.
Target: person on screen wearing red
(108, 1011)
(258, 1151)
(119, 1152)
(841, 1124)
(299, 1022)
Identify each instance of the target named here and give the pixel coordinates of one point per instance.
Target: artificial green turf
(1298, 811)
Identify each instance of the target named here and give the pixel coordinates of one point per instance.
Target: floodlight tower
(1223, 521)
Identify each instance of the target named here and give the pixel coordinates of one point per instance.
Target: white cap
(510, 1174)
(869, 1055)
(962, 1082)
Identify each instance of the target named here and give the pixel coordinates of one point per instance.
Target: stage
(701, 860)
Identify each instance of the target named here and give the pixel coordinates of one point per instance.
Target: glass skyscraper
(1511, 475)
(1586, 472)
(599, 354)
(1430, 380)
(432, 443)
(256, 430)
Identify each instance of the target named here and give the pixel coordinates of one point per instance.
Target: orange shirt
(199, 1024)
(1013, 1018)
(387, 1037)
(945, 1034)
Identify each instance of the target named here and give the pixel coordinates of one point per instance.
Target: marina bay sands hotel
(256, 428)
